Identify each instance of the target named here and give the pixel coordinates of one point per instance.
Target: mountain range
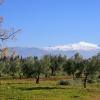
(84, 48)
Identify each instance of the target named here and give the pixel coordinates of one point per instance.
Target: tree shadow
(17, 83)
(39, 88)
(76, 96)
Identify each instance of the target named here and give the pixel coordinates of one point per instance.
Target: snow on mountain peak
(76, 46)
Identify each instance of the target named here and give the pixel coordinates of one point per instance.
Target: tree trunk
(46, 75)
(20, 76)
(37, 80)
(0, 75)
(13, 75)
(73, 76)
(52, 72)
(85, 81)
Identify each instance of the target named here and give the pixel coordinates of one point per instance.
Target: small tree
(37, 69)
(14, 66)
(27, 67)
(45, 63)
(32, 68)
(90, 69)
(6, 34)
(69, 67)
(54, 65)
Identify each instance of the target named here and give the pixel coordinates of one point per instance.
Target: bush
(98, 80)
(64, 82)
(90, 81)
(99, 76)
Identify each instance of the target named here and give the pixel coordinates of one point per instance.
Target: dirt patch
(95, 98)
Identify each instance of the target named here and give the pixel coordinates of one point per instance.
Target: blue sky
(52, 22)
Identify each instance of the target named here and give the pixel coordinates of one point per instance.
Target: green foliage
(63, 82)
(49, 65)
(69, 67)
(91, 81)
(99, 76)
(27, 67)
(2, 65)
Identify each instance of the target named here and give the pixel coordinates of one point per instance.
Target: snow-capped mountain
(84, 46)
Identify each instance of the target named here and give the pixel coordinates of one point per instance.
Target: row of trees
(48, 65)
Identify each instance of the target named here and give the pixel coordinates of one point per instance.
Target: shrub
(99, 76)
(90, 81)
(64, 82)
(98, 80)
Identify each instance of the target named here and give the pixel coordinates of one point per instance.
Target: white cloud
(76, 46)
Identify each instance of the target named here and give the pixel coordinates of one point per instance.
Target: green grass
(46, 90)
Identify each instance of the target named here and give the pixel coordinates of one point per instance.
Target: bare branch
(5, 35)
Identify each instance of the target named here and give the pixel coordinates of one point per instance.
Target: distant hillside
(84, 48)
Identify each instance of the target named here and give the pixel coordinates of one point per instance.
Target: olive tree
(90, 69)
(32, 68)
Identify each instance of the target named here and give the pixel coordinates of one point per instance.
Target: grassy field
(26, 89)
